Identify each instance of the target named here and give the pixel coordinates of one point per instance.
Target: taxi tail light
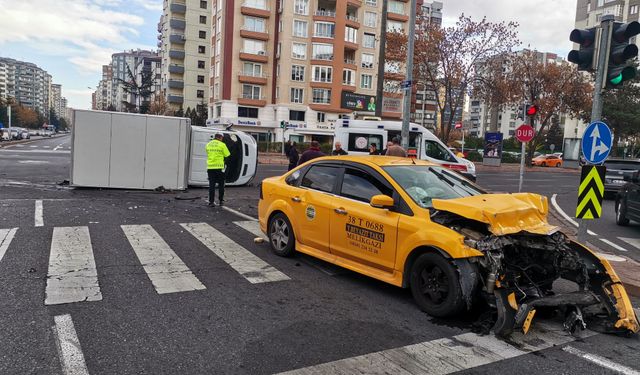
(456, 167)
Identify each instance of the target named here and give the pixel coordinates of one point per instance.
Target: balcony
(179, 99)
(246, 32)
(350, 46)
(176, 54)
(252, 8)
(177, 38)
(355, 3)
(251, 100)
(176, 84)
(397, 17)
(175, 68)
(177, 24)
(255, 56)
(252, 78)
(326, 15)
(352, 21)
(178, 7)
(350, 63)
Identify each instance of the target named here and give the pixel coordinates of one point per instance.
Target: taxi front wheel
(435, 286)
(281, 235)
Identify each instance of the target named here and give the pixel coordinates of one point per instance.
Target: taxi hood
(504, 213)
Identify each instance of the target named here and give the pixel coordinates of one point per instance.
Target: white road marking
(601, 361)
(611, 257)
(165, 269)
(39, 219)
(564, 214)
(33, 146)
(615, 246)
(6, 236)
(635, 242)
(445, 355)
(13, 151)
(72, 275)
(240, 259)
(244, 216)
(68, 344)
(252, 227)
(19, 145)
(46, 146)
(58, 147)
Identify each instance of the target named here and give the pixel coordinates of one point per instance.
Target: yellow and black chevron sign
(591, 192)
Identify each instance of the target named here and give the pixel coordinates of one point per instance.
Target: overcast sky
(72, 39)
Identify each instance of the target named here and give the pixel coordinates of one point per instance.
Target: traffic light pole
(407, 93)
(596, 110)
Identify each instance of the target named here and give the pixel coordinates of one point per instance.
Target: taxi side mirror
(381, 201)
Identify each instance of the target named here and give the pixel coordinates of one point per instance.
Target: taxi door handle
(341, 211)
(296, 199)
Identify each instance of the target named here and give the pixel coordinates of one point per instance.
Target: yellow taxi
(417, 225)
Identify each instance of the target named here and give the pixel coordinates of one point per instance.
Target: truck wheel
(435, 286)
(621, 213)
(281, 237)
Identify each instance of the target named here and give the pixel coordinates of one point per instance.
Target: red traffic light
(532, 110)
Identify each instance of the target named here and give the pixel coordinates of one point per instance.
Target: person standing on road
(293, 156)
(339, 150)
(384, 151)
(373, 149)
(312, 153)
(395, 149)
(217, 151)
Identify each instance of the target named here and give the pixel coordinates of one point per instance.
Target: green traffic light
(617, 80)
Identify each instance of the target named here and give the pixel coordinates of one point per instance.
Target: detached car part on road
(414, 224)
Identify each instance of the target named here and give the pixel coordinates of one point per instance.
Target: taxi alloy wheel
(621, 213)
(435, 286)
(281, 235)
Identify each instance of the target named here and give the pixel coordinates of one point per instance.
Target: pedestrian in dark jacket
(312, 153)
(395, 149)
(287, 147)
(339, 150)
(373, 149)
(293, 156)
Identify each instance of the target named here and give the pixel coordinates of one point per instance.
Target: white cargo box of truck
(129, 151)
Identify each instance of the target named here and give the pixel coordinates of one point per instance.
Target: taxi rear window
(320, 177)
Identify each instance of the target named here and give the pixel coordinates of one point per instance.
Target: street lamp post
(409, 76)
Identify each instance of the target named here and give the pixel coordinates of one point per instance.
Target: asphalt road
(213, 317)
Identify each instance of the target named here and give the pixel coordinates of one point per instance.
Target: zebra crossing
(73, 277)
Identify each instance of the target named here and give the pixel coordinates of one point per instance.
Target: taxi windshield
(424, 183)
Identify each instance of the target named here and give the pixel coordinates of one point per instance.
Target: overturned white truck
(133, 151)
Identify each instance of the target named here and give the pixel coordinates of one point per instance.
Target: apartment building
(589, 12)
(304, 62)
(123, 66)
(56, 99)
(3, 79)
(103, 95)
(185, 41)
(27, 83)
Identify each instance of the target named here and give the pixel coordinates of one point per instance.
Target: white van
(357, 135)
(241, 165)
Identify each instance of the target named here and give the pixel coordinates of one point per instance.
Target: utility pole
(409, 76)
(382, 47)
(601, 70)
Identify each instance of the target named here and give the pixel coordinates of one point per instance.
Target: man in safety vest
(217, 151)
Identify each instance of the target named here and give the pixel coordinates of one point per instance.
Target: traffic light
(532, 110)
(586, 38)
(621, 51)
(521, 111)
(282, 124)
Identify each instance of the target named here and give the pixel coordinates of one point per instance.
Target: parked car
(628, 199)
(15, 133)
(547, 161)
(25, 134)
(617, 169)
(4, 135)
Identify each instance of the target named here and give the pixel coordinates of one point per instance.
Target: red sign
(525, 133)
(458, 125)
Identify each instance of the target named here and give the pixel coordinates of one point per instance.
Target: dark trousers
(216, 176)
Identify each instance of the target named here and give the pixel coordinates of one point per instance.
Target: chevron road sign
(590, 192)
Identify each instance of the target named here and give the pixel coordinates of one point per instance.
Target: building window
(256, 47)
(322, 51)
(219, 24)
(348, 77)
(254, 24)
(320, 116)
(252, 69)
(216, 91)
(201, 64)
(200, 79)
(395, 26)
(321, 96)
(633, 9)
(366, 81)
(203, 4)
(296, 115)
(299, 51)
(367, 60)
(370, 19)
(200, 93)
(297, 95)
(217, 69)
(369, 40)
(351, 35)
(372, 3)
(203, 19)
(396, 7)
(324, 30)
(218, 47)
(297, 73)
(202, 34)
(322, 73)
(218, 110)
(202, 49)
(258, 4)
(300, 28)
(301, 7)
(248, 112)
(251, 92)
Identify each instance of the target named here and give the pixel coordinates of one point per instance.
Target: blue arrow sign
(596, 142)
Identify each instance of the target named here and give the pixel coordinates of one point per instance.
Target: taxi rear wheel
(281, 235)
(435, 286)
